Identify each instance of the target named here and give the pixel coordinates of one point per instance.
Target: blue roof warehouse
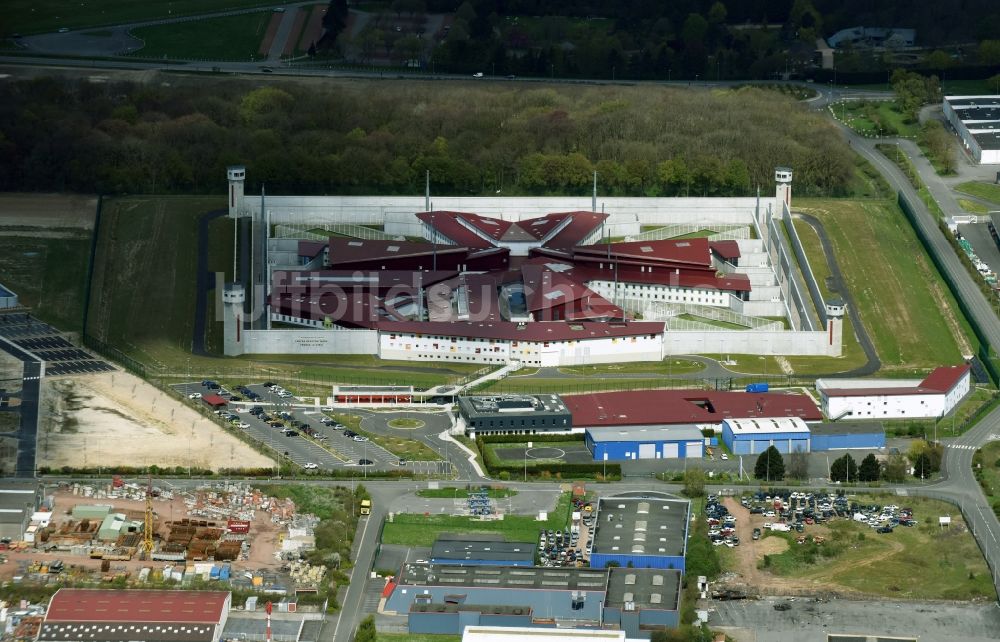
(645, 442)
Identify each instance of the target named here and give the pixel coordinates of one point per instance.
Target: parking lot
(61, 357)
(300, 449)
(303, 435)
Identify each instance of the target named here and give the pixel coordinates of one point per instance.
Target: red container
(239, 526)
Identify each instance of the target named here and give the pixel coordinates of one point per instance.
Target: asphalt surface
(27, 434)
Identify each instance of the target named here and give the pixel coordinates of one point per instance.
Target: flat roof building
(7, 299)
(515, 414)
(537, 634)
(754, 436)
(844, 435)
(464, 551)
(104, 615)
(934, 396)
(976, 120)
(645, 442)
(18, 500)
(445, 599)
(641, 532)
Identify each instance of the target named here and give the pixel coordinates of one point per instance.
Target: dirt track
(116, 419)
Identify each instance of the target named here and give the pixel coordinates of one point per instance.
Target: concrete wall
(340, 341)
(777, 342)
(626, 212)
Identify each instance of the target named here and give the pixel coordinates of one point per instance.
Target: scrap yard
(227, 532)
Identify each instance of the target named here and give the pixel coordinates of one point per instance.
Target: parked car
(756, 534)
(291, 433)
(194, 395)
(310, 466)
(365, 462)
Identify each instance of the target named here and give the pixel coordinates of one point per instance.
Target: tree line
(364, 137)
(923, 459)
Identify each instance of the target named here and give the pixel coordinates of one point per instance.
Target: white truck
(784, 528)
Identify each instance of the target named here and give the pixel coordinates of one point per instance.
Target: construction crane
(147, 531)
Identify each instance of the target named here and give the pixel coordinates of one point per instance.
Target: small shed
(111, 527)
(215, 401)
(91, 511)
(7, 299)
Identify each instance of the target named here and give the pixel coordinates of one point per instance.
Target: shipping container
(757, 387)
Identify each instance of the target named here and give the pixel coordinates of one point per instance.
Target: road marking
(350, 580)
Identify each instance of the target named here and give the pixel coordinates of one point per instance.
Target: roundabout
(405, 423)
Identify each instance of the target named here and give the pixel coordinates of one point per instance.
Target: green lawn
(573, 444)
(48, 274)
(988, 191)
(416, 637)
(667, 366)
(865, 118)
(973, 207)
(421, 530)
(227, 38)
(535, 385)
(986, 466)
(855, 557)
(909, 312)
(399, 446)
(450, 492)
(719, 324)
(405, 423)
(24, 16)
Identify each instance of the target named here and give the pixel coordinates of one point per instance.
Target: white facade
(960, 111)
(413, 347)
(888, 399)
(533, 634)
(664, 293)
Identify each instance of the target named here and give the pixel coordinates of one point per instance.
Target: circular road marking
(406, 423)
(545, 452)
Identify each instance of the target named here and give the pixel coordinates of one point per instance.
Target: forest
(684, 39)
(364, 137)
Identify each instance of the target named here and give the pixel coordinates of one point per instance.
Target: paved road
(27, 434)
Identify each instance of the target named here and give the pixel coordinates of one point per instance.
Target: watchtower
(835, 309)
(237, 175)
(783, 177)
(233, 299)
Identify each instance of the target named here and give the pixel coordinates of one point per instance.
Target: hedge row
(498, 469)
(520, 439)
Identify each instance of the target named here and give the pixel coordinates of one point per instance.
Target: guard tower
(233, 299)
(835, 309)
(783, 177)
(237, 175)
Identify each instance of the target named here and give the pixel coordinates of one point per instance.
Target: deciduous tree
(770, 465)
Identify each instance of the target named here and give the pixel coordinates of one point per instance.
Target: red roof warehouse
(665, 407)
(122, 615)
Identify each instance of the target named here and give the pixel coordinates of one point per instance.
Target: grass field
(988, 473)
(949, 426)
(22, 16)
(48, 274)
(227, 38)
(988, 191)
(421, 530)
(415, 637)
(405, 423)
(921, 562)
(973, 207)
(865, 117)
(399, 446)
(667, 366)
(568, 444)
(909, 312)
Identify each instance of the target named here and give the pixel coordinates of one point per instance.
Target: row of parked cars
(561, 548)
(721, 524)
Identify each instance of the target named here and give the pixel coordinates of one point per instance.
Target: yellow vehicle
(366, 507)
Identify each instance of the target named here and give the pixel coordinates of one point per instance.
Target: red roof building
(101, 615)
(671, 407)
(215, 401)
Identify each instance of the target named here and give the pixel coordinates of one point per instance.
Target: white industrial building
(976, 120)
(537, 634)
(934, 396)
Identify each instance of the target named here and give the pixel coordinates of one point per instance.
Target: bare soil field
(116, 419)
(47, 210)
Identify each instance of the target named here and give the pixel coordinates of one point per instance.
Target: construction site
(141, 532)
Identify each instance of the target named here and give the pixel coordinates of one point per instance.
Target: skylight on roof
(683, 244)
(392, 248)
(555, 294)
(646, 248)
(355, 243)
